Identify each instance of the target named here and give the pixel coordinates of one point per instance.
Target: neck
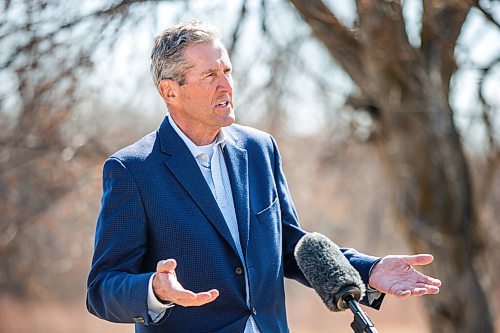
(199, 136)
(201, 139)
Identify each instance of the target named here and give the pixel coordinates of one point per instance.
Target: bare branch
(341, 42)
(263, 5)
(239, 23)
(441, 25)
(389, 54)
(486, 14)
(493, 157)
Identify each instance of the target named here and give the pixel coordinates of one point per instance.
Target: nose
(225, 82)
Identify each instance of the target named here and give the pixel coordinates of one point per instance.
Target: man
(197, 229)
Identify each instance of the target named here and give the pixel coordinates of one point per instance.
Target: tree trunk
(434, 208)
(417, 141)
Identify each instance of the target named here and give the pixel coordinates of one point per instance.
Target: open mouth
(222, 104)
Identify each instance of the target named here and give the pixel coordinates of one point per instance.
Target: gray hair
(167, 56)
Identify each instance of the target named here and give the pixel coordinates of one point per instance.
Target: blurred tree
(403, 88)
(406, 89)
(45, 61)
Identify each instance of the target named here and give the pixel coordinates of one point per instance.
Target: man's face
(204, 103)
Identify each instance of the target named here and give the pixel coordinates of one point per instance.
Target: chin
(228, 119)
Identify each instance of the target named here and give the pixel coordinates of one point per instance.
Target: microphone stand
(361, 322)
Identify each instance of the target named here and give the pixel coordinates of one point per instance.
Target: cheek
(202, 96)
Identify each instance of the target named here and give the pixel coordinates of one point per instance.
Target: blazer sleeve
(292, 233)
(116, 287)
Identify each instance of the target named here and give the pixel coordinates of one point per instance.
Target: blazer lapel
(237, 166)
(184, 168)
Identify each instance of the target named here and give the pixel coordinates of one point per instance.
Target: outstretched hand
(395, 275)
(166, 287)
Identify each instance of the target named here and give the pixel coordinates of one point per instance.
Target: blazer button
(254, 311)
(138, 320)
(238, 270)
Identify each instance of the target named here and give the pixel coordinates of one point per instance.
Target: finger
(418, 259)
(214, 293)
(432, 290)
(427, 280)
(430, 281)
(208, 296)
(199, 299)
(181, 296)
(419, 291)
(165, 266)
(402, 293)
(427, 290)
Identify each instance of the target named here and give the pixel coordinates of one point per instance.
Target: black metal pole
(361, 322)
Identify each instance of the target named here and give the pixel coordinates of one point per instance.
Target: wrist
(155, 303)
(369, 287)
(155, 293)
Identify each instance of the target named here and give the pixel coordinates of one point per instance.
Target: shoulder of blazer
(248, 136)
(138, 151)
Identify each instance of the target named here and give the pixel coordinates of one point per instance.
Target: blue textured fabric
(157, 205)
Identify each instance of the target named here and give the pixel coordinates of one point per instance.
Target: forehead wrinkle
(218, 58)
(214, 68)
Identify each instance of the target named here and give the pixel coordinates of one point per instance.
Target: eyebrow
(209, 71)
(212, 70)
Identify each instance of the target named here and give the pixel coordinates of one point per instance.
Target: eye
(211, 74)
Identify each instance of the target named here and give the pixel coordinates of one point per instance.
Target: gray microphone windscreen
(326, 269)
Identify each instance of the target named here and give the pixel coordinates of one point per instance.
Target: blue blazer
(156, 205)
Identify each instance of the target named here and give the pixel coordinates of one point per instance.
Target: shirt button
(254, 311)
(203, 158)
(238, 270)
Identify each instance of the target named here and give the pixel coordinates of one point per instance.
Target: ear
(168, 90)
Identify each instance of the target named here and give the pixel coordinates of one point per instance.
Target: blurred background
(386, 113)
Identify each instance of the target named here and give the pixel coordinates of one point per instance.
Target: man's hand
(396, 276)
(167, 288)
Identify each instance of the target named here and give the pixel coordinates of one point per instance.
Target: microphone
(333, 278)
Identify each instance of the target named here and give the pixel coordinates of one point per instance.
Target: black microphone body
(361, 322)
(329, 272)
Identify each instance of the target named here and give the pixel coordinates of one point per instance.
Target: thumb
(165, 266)
(419, 259)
